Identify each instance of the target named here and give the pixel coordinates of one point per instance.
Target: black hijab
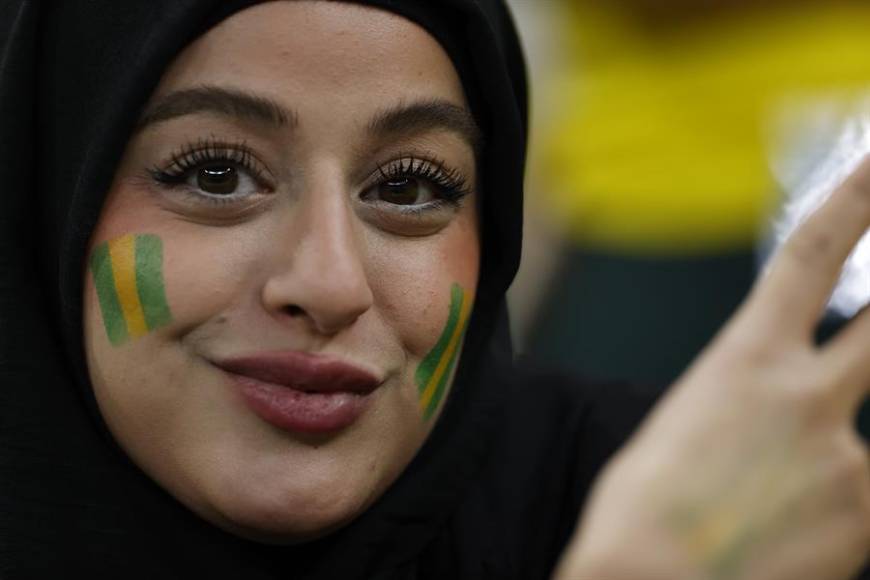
(73, 79)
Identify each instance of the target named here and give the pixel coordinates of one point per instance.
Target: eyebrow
(401, 119)
(223, 101)
(424, 116)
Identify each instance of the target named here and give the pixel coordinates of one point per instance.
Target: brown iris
(400, 191)
(218, 179)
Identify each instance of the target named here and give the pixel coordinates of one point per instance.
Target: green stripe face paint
(149, 281)
(435, 370)
(128, 276)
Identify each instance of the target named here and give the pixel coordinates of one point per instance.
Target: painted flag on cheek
(128, 276)
(435, 370)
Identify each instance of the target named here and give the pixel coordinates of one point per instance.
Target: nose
(321, 276)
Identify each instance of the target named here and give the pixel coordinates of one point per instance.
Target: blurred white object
(815, 151)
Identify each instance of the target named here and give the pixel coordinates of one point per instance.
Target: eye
(405, 191)
(413, 184)
(219, 179)
(222, 180)
(211, 171)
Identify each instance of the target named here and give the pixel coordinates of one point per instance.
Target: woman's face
(276, 292)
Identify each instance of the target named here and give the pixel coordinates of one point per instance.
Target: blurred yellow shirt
(664, 138)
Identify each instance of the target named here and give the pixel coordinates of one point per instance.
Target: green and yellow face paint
(128, 276)
(435, 370)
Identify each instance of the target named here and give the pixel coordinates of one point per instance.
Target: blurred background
(674, 145)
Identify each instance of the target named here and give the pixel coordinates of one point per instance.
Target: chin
(290, 518)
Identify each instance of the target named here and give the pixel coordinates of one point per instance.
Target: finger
(847, 353)
(802, 274)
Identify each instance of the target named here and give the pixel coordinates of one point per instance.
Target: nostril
(293, 310)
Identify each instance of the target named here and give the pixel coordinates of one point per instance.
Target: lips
(302, 392)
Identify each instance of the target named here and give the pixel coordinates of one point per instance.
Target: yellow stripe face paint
(122, 252)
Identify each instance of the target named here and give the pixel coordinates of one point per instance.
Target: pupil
(400, 192)
(220, 180)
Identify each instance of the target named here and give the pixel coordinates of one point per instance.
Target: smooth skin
(751, 467)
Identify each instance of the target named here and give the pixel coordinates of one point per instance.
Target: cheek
(150, 274)
(414, 282)
(207, 272)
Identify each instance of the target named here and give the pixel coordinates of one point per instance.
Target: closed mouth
(303, 371)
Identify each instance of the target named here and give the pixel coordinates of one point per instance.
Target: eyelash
(195, 156)
(450, 186)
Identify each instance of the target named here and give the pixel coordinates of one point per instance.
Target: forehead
(302, 51)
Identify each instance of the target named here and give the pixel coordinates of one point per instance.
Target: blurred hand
(751, 467)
